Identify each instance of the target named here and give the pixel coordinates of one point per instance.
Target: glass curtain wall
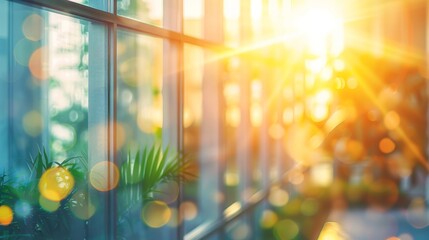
(207, 119)
(127, 119)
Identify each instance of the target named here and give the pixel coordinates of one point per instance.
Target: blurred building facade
(287, 109)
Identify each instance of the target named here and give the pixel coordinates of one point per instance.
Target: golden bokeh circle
(156, 214)
(104, 176)
(56, 184)
(6, 215)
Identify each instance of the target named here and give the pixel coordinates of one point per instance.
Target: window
(206, 119)
(91, 88)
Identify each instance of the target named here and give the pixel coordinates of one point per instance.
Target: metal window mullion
(82, 11)
(112, 113)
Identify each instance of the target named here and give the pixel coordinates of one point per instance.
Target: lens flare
(56, 184)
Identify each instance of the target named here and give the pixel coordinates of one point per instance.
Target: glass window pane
(55, 75)
(232, 94)
(140, 105)
(146, 207)
(193, 16)
(201, 121)
(148, 11)
(231, 14)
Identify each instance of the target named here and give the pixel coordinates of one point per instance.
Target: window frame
(174, 41)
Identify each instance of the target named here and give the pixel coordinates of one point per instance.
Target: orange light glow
(38, 64)
(386, 145)
(6, 215)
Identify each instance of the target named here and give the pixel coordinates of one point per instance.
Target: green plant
(150, 167)
(141, 177)
(31, 219)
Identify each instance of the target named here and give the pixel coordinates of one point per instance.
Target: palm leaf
(150, 167)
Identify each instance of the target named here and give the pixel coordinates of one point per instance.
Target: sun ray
(363, 72)
(390, 49)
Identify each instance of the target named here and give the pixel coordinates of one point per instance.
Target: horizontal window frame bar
(229, 215)
(207, 230)
(82, 11)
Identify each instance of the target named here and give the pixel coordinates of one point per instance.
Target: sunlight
(323, 30)
(332, 231)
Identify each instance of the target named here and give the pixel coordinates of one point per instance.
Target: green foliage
(141, 176)
(39, 223)
(153, 166)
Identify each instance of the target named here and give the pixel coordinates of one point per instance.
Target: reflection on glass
(47, 102)
(140, 117)
(194, 72)
(201, 134)
(148, 11)
(68, 81)
(142, 210)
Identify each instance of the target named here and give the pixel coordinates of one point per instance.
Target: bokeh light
(6, 215)
(268, 219)
(149, 119)
(406, 236)
(349, 150)
(56, 184)
(417, 213)
(23, 49)
(156, 214)
(82, 205)
(38, 64)
(309, 207)
(392, 120)
(241, 231)
(386, 145)
(278, 197)
(32, 123)
(48, 205)
(188, 210)
(231, 178)
(296, 177)
(286, 229)
(393, 238)
(256, 115)
(233, 116)
(22, 209)
(33, 27)
(104, 176)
